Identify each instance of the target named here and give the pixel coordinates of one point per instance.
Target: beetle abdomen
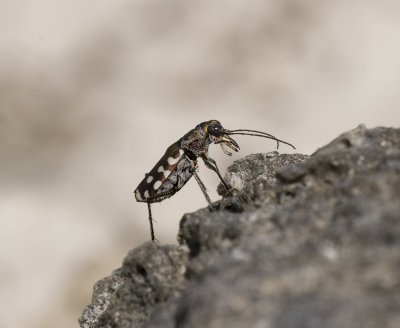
(177, 179)
(161, 174)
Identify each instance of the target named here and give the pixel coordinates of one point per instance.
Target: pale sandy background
(92, 93)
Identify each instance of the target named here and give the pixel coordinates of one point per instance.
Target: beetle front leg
(212, 165)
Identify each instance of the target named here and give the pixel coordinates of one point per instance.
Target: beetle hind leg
(151, 222)
(156, 199)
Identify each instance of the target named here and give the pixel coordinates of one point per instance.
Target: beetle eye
(216, 129)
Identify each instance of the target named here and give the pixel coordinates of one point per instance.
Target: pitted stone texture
(150, 274)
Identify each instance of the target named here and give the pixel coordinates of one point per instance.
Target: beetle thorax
(196, 141)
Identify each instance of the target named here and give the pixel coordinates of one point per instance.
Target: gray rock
(102, 293)
(150, 274)
(316, 244)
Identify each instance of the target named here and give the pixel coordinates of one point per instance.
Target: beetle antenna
(256, 133)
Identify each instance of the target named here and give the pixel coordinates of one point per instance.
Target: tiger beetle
(179, 163)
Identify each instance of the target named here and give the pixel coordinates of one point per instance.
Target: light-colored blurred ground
(92, 93)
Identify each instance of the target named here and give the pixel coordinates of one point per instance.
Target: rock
(102, 293)
(150, 274)
(304, 242)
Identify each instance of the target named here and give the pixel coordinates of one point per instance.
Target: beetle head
(218, 135)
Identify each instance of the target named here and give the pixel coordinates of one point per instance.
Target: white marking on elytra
(157, 184)
(146, 194)
(149, 179)
(138, 196)
(172, 161)
(165, 172)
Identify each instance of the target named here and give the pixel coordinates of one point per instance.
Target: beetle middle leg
(204, 190)
(212, 165)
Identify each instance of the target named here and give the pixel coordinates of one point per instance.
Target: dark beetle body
(169, 175)
(179, 162)
(176, 167)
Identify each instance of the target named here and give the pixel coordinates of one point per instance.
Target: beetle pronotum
(179, 162)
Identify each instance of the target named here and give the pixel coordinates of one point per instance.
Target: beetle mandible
(179, 163)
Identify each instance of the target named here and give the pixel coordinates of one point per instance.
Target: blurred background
(92, 93)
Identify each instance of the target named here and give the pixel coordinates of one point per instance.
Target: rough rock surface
(316, 244)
